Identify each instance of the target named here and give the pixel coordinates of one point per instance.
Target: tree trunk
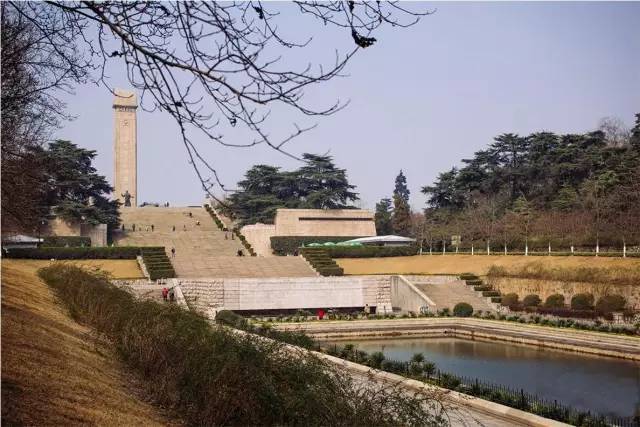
(597, 246)
(444, 247)
(505, 248)
(549, 248)
(624, 248)
(526, 246)
(488, 248)
(471, 249)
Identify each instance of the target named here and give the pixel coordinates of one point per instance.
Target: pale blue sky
(421, 99)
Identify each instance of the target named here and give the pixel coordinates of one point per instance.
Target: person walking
(173, 252)
(133, 227)
(226, 235)
(174, 228)
(165, 292)
(184, 227)
(172, 295)
(152, 227)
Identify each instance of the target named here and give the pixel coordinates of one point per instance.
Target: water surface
(602, 384)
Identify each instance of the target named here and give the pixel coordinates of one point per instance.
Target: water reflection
(601, 384)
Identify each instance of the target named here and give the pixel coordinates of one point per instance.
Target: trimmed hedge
(154, 257)
(371, 251)
(610, 303)
(235, 230)
(321, 262)
(462, 309)
(582, 302)
(66, 241)
(106, 252)
(554, 301)
(290, 245)
(531, 300)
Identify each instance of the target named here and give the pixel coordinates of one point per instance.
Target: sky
(421, 99)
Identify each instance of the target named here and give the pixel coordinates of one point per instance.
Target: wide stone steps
(200, 250)
(447, 295)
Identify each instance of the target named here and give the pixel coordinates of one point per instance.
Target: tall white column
(125, 104)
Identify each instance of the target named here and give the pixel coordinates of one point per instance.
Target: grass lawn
(118, 268)
(476, 264)
(54, 370)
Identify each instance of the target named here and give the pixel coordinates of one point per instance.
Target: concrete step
(447, 295)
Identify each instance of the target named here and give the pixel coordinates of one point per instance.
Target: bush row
(371, 251)
(65, 241)
(531, 318)
(106, 252)
(209, 375)
(290, 245)
(579, 302)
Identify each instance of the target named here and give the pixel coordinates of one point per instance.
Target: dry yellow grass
(54, 372)
(117, 268)
(476, 264)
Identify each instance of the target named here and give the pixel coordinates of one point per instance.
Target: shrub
(531, 300)
(65, 241)
(490, 293)
(554, 301)
(482, 288)
(180, 356)
(510, 300)
(462, 309)
(610, 303)
(582, 301)
(474, 282)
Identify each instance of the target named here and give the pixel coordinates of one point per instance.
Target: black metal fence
(504, 395)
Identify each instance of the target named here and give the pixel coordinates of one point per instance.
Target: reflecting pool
(602, 384)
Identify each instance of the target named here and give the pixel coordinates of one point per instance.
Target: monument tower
(125, 104)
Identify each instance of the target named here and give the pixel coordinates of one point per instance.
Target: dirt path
(53, 371)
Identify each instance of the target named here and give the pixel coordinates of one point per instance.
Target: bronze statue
(127, 198)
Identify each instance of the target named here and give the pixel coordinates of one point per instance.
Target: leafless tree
(36, 67)
(211, 66)
(617, 134)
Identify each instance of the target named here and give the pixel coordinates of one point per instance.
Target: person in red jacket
(165, 292)
(320, 314)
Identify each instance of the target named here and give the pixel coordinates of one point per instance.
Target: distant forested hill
(573, 189)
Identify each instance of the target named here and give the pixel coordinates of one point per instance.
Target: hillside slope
(54, 372)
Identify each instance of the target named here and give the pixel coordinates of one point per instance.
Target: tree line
(540, 191)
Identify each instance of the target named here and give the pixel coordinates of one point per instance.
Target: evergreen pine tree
(401, 218)
(383, 217)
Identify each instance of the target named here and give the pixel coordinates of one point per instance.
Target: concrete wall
(324, 222)
(406, 297)
(259, 236)
(97, 233)
(287, 293)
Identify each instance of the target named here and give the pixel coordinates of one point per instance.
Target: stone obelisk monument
(125, 104)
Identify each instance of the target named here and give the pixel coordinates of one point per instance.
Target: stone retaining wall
(544, 288)
(284, 293)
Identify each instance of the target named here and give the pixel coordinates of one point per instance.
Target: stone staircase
(201, 250)
(446, 294)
